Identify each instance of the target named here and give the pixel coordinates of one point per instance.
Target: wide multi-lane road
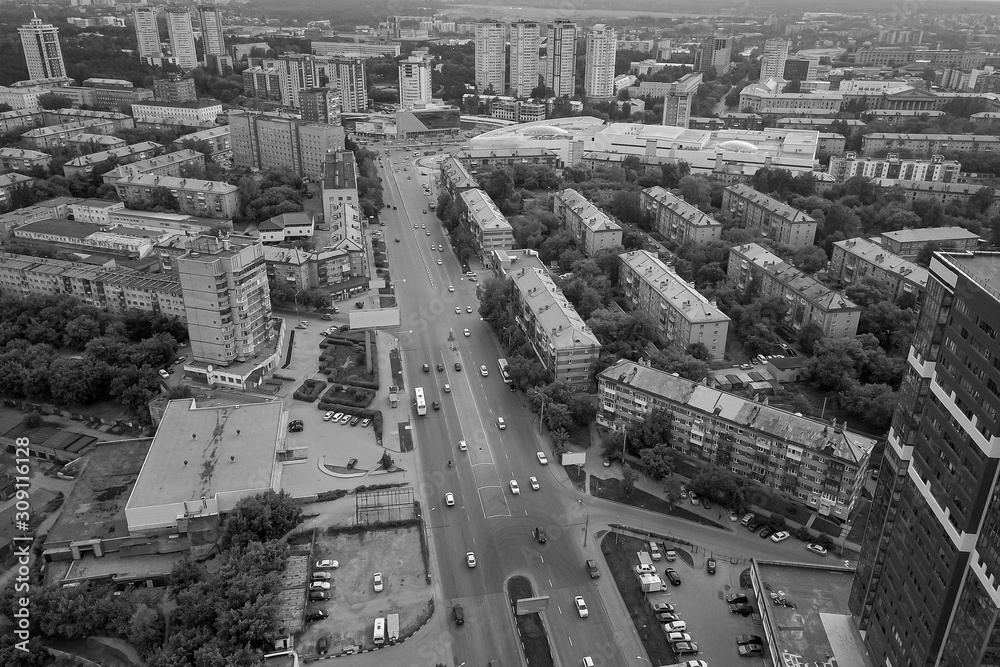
(487, 519)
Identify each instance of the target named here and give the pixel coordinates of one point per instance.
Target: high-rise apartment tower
(42, 51)
(491, 58)
(599, 76)
(525, 43)
(560, 73)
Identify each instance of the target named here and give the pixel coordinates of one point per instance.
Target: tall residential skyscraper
(414, 81)
(926, 590)
(525, 42)
(351, 83)
(715, 53)
(599, 77)
(677, 101)
(42, 52)
(181, 37)
(772, 59)
(227, 299)
(147, 35)
(212, 41)
(560, 73)
(298, 73)
(491, 60)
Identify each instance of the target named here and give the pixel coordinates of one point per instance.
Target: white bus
(502, 364)
(378, 635)
(418, 393)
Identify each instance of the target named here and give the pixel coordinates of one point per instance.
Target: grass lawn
(617, 553)
(534, 640)
(611, 489)
(577, 475)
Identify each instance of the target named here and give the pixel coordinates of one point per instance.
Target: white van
(654, 551)
(378, 637)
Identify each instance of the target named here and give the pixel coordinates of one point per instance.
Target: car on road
(467, 333)
(588, 661)
(674, 637)
(346, 419)
(750, 650)
(468, 309)
(581, 606)
(514, 488)
(710, 565)
(539, 535)
(451, 288)
(449, 499)
(458, 612)
(447, 388)
(501, 424)
(377, 582)
(319, 585)
(749, 639)
(683, 648)
(427, 368)
(423, 211)
(323, 645)
(533, 481)
(428, 233)
(458, 311)
(542, 458)
(164, 373)
(816, 549)
(327, 564)
(736, 598)
(440, 368)
(436, 405)
(316, 615)
(593, 570)
(742, 608)
(484, 371)
(365, 422)
(316, 596)
(423, 226)
(672, 575)
(458, 366)
(439, 262)
(645, 568)
(470, 559)
(463, 446)
(780, 536)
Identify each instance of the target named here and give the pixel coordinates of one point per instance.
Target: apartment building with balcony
(304, 270)
(212, 199)
(215, 140)
(22, 159)
(854, 259)
(455, 177)
(563, 343)
(488, 225)
(56, 136)
(907, 243)
(84, 165)
(773, 219)
(171, 164)
(677, 220)
(893, 168)
(683, 316)
(808, 300)
(592, 228)
(926, 145)
(822, 465)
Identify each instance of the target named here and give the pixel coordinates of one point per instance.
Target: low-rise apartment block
(854, 259)
(22, 159)
(488, 225)
(212, 199)
(112, 290)
(75, 236)
(677, 220)
(894, 168)
(55, 136)
(84, 165)
(10, 181)
(301, 269)
(683, 316)
(271, 141)
(214, 141)
(287, 226)
(808, 299)
(907, 243)
(564, 345)
(958, 194)
(926, 145)
(477, 159)
(198, 110)
(592, 228)
(773, 219)
(822, 465)
(171, 164)
(455, 177)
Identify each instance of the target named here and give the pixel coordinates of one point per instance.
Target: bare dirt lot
(354, 606)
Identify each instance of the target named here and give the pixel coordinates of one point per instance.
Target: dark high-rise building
(715, 53)
(927, 590)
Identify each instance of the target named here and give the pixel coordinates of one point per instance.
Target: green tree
(658, 460)
(629, 478)
(810, 259)
(266, 516)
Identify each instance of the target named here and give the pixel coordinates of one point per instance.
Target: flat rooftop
(190, 455)
(820, 625)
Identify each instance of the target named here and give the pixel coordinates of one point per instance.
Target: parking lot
(354, 604)
(700, 602)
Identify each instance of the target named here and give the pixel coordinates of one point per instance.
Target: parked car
(316, 596)
(663, 606)
(667, 617)
(766, 532)
(645, 569)
(295, 425)
(816, 549)
(321, 576)
(365, 422)
(164, 373)
(736, 598)
(327, 564)
(694, 498)
(355, 420)
(319, 585)
(323, 645)
(750, 650)
(593, 570)
(747, 518)
(674, 637)
(345, 420)
(316, 615)
(742, 608)
(780, 536)
(377, 582)
(675, 626)
(710, 565)
(672, 575)
(749, 639)
(683, 648)
(671, 555)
